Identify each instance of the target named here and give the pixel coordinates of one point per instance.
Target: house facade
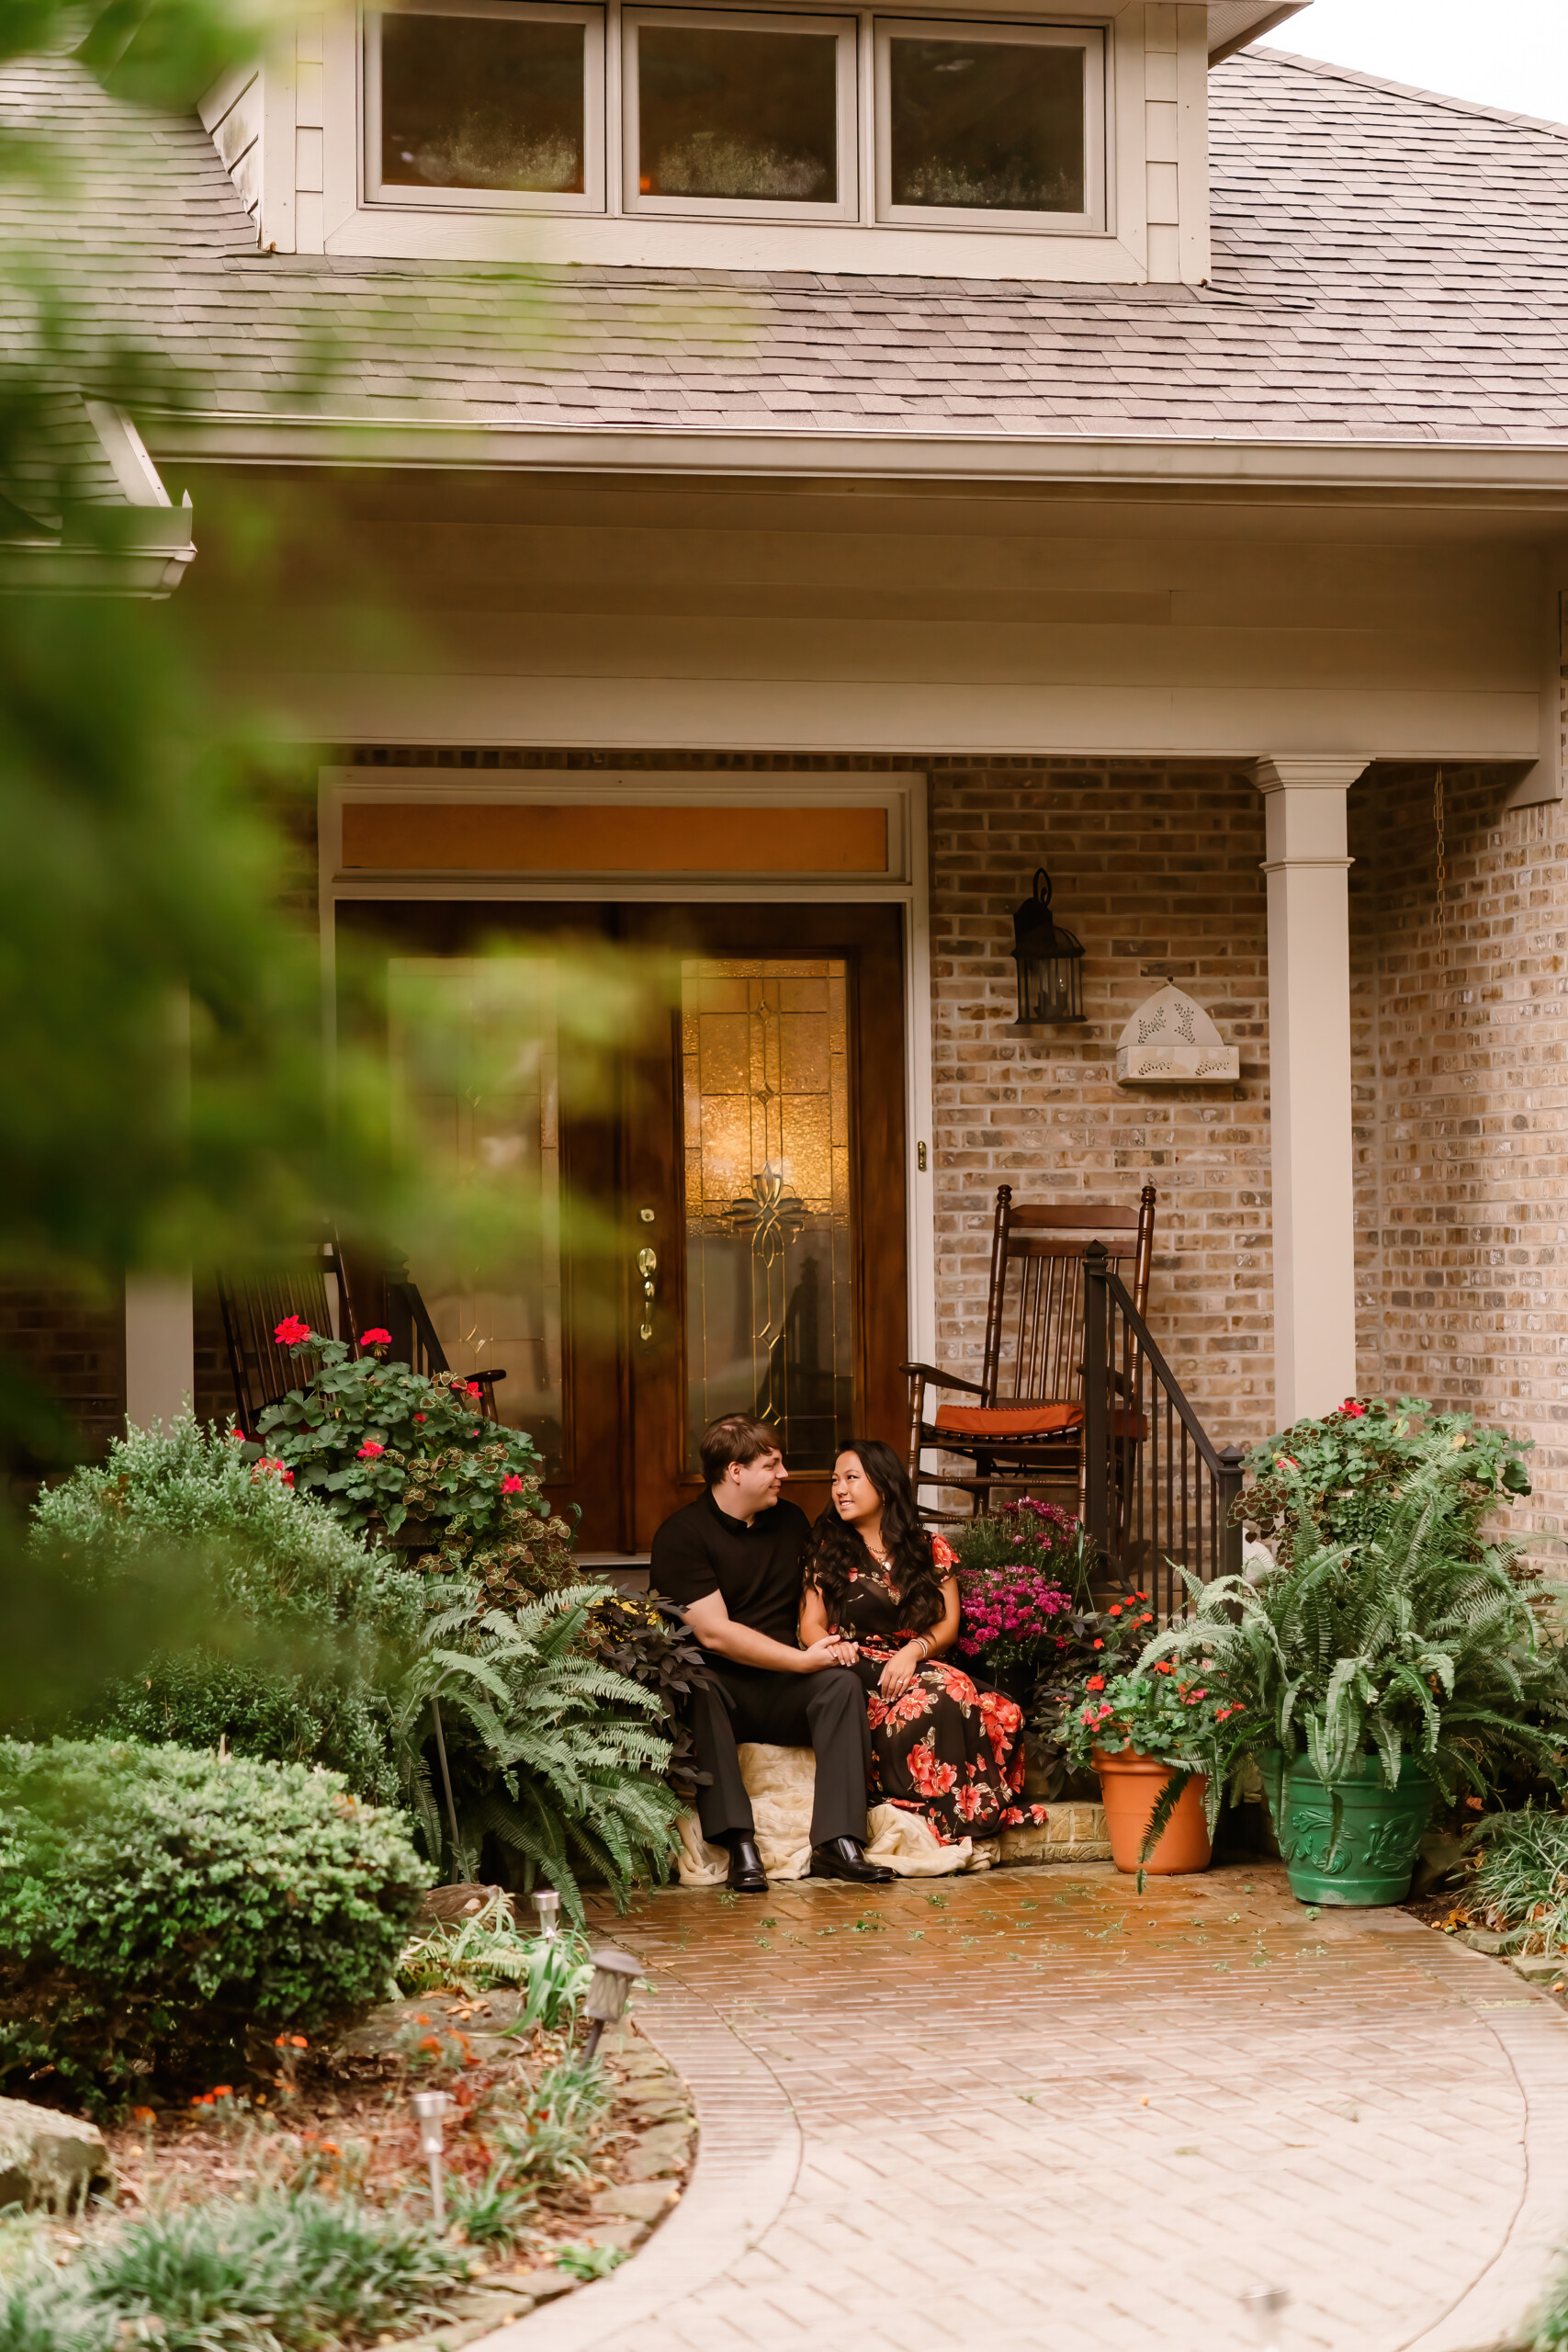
(748, 489)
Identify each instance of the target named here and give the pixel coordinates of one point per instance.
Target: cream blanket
(781, 1783)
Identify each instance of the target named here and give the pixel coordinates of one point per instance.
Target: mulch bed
(339, 2118)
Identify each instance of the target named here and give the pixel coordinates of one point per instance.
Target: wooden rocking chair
(1024, 1428)
(263, 1373)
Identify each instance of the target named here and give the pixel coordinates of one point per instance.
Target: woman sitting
(941, 1747)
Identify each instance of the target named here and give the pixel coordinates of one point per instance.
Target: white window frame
(845, 207)
(1090, 39)
(587, 13)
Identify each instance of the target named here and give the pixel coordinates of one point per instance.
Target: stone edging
(749, 2152)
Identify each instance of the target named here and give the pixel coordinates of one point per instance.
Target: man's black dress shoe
(746, 1875)
(842, 1858)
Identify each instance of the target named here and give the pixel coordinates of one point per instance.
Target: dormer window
(724, 111)
(990, 121)
(726, 114)
(470, 100)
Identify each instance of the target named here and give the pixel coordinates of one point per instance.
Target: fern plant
(1405, 1647)
(549, 1751)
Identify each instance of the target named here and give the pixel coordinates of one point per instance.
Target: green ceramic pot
(1380, 1833)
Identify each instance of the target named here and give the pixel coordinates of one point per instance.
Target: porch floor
(1032, 2113)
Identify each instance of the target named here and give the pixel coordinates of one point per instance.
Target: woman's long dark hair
(837, 1547)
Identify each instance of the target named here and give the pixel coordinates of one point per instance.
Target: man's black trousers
(825, 1711)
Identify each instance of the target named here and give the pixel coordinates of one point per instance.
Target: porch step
(1070, 1833)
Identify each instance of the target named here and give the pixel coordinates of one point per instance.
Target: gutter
(138, 546)
(1534, 472)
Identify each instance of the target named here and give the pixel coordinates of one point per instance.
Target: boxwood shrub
(158, 1906)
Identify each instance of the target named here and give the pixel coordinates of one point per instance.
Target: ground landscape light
(1049, 959)
(547, 1902)
(606, 2004)
(430, 2107)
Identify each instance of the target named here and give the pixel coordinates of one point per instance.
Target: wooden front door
(702, 1109)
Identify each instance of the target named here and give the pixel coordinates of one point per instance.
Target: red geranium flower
(376, 1338)
(512, 1485)
(1286, 1462)
(474, 1388)
(419, 1417)
(369, 1450)
(1352, 1411)
(1099, 1645)
(1095, 1683)
(291, 1332)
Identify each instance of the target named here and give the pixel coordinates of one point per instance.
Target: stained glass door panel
(768, 1220)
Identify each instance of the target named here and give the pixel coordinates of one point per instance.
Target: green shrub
(286, 2271)
(550, 1753)
(156, 1903)
(328, 1617)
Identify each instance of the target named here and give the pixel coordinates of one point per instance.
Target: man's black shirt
(757, 1569)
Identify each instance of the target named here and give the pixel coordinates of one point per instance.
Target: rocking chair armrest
(941, 1379)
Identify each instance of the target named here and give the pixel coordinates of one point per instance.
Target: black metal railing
(1158, 1495)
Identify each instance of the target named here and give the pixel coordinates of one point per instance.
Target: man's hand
(829, 1651)
(718, 1630)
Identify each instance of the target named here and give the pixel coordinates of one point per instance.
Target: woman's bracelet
(924, 1646)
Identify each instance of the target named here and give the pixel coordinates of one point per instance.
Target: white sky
(1514, 56)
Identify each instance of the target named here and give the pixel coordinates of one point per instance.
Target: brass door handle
(647, 1266)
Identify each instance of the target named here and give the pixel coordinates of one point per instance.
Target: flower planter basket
(1130, 1786)
(1380, 1833)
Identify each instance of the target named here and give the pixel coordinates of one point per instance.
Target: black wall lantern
(1049, 960)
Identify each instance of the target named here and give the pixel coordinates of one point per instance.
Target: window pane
(992, 124)
(743, 114)
(770, 1248)
(481, 102)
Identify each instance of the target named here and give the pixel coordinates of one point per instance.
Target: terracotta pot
(1130, 1787)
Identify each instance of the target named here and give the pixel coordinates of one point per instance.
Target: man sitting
(731, 1563)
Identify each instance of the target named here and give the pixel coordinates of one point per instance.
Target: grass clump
(286, 2271)
(1521, 1886)
(489, 1952)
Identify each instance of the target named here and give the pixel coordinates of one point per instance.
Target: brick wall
(73, 1349)
(1461, 1109)
(1157, 869)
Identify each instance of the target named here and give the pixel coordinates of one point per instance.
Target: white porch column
(160, 1346)
(1309, 1060)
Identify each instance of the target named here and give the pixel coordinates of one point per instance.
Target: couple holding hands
(832, 1637)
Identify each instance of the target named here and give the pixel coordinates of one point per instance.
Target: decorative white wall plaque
(1170, 1041)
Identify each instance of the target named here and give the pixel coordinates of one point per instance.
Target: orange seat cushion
(1008, 1421)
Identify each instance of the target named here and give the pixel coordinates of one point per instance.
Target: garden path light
(1266, 2303)
(547, 1902)
(430, 2107)
(613, 1975)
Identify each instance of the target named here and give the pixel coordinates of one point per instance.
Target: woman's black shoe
(746, 1875)
(842, 1858)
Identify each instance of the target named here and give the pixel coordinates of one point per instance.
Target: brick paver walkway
(1032, 2112)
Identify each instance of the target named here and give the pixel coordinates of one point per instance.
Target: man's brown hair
(734, 1437)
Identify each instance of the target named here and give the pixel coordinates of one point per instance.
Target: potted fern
(1379, 1673)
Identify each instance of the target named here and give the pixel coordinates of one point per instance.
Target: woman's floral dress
(947, 1749)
